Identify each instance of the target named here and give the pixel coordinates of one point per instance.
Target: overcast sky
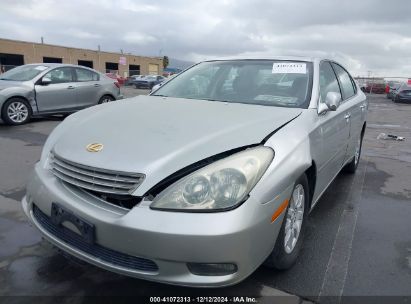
(364, 35)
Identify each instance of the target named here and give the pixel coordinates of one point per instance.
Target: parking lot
(357, 241)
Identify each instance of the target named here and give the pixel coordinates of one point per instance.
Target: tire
(351, 167)
(16, 111)
(105, 99)
(284, 255)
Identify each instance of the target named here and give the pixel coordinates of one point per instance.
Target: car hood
(4, 84)
(157, 136)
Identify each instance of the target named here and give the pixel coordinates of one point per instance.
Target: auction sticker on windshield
(289, 67)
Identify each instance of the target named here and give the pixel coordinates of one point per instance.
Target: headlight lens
(219, 186)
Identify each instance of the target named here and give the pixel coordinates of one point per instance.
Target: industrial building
(14, 53)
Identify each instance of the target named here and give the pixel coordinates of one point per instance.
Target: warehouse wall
(34, 53)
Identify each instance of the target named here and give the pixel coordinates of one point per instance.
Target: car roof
(288, 58)
(54, 65)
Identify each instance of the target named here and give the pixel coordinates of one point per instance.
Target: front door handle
(362, 107)
(97, 85)
(70, 87)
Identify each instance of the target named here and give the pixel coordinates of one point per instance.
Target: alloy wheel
(17, 112)
(294, 218)
(106, 99)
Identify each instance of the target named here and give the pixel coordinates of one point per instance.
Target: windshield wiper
(219, 100)
(159, 95)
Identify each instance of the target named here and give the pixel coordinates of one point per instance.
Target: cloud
(38, 10)
(138, 38)
(77, 33)
(367, 35)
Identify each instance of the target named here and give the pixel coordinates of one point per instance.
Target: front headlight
(219, 186)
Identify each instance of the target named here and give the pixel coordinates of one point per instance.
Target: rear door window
(86, 75)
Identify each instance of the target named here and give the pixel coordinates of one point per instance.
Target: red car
(120, 80)
(376, 88)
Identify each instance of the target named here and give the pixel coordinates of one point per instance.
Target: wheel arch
(363, 129)
(311, 174)
(15, 96)
(3, 115)
(108, 94)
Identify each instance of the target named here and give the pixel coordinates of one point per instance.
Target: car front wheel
(351, 167)
(290, 238)
(16, 111)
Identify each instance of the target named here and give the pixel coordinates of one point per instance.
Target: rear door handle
(97, 85)
(70, 87)
(362, 107)
(347, 116)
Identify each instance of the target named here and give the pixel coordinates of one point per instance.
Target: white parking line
(337, 267)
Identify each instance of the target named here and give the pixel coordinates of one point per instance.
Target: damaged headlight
(219, 186)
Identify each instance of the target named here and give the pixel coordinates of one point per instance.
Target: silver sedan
(46, 89)
(211, 176)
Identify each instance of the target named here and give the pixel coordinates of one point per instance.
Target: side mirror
(45, 81)
(332, 102)
(156, 87)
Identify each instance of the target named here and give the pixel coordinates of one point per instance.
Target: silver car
(50, 88)
(200, 183)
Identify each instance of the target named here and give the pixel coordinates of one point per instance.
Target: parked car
(403, 94)
(393, 87)
(361, 83)
(195, 184)
(121, 80)
(50, 88)
(132, 79)
(375, 88)
(148, 82)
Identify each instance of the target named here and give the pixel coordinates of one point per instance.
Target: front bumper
(244, 236)
(402, 98)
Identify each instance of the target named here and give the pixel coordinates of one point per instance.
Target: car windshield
(261, 82)
(23, 73)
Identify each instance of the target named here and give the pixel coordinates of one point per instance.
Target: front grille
(105, 254)
(95, 179)
(123, 201)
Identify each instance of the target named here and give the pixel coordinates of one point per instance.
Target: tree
(165, 62)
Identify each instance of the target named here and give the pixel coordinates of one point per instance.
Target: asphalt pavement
(357, 242)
